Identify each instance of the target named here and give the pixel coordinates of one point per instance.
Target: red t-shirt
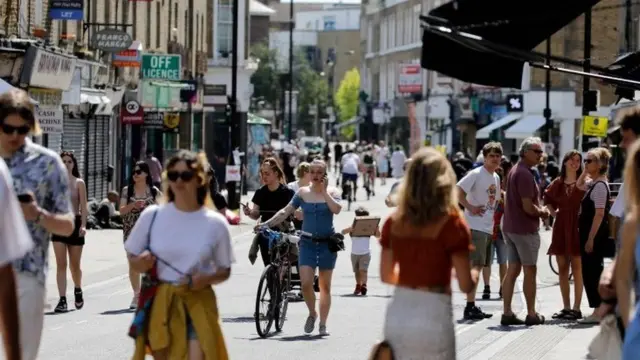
(520, 184)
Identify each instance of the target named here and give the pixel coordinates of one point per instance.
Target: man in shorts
(520, 229)
(479, 195)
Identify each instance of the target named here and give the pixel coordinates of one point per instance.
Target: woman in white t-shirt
(190, 243)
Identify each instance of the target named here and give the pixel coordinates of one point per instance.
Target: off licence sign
(161, 67)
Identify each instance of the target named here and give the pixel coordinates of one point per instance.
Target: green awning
(257, 120)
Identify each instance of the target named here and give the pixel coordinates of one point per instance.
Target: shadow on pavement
(59, 313)
(300, 337)
(507, 328)
(118, 312)
(239, 319)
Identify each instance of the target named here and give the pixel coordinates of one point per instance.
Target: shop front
(46, 75)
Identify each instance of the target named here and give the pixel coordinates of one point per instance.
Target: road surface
(98, 332)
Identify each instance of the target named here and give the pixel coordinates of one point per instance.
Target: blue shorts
(316, 255)
(500, 250)
(352, 177)
(191, 331)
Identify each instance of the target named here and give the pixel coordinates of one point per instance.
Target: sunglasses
(184, 175)
(537, 151)
(588, 161)
(20, 130)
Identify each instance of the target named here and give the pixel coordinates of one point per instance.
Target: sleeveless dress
(565, 239)
(631, 345)
(74, 239)
(129, 219)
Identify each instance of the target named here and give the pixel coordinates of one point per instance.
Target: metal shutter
(74, 139)
(98, 155)
(54, 142)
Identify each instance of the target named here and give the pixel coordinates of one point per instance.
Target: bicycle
(554, 266)
(348, 192)
(275, 281)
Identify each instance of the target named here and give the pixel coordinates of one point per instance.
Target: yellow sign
(171, 120)
(442, 149)
(595, 126)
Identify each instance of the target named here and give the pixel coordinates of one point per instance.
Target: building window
(134, 8)
(158, 24)
(224, 27)
(197, 31)
(329, 22)
(187, 40)
(175, 15)
(202, 35)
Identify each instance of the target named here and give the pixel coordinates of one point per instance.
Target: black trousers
(592, 266)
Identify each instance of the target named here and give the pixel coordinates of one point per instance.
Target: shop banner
(50, 120)
(160, 97)
(49, 70)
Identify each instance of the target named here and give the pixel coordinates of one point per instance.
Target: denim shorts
(316, 255)
(191, 331)
(500, 250)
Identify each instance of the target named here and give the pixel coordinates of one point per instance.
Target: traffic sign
(161, 67)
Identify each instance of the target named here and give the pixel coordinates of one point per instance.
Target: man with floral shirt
(40, 180)
(15, 242)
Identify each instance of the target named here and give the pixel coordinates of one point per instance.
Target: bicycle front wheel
(265, 304)
(552, 264)
(284, 291)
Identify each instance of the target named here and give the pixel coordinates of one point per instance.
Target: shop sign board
(66, 10)
(46, 69)
(132, 113)
(111, 40)
(162, 67)
(50, 120)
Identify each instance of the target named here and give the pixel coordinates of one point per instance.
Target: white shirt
(482, 189)
(382, 154)
(294, 186)
(397, 163)
(191, 242)
(350, 163)
(617, 209)
(360, 245)
(15, 240)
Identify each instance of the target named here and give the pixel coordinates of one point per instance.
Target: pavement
(98, 331)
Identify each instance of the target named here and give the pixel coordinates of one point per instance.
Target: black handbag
(336, 243)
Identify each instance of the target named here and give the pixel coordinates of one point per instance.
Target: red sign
(126, 58)
(410, 79)
(132, 113)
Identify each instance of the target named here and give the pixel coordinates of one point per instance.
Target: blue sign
(66, 14)
(66, 10)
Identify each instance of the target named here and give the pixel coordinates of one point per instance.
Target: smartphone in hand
(25, 198)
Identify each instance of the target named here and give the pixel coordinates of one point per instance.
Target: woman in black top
(273, 196)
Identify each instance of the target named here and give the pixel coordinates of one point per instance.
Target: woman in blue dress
(628, 263)
(319, 203)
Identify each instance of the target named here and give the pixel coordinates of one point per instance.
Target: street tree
(265, 79)
(346, 100)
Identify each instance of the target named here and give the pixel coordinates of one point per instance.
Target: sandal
(510, 320)
(534, 320)
(562, 314)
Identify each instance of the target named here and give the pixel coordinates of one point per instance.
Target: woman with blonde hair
(184, 248)
(628, 266)
(593, 226)
(422, 241)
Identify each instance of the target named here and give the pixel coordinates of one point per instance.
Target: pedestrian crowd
(452, 217)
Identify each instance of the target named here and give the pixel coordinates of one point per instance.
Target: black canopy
(487, 42)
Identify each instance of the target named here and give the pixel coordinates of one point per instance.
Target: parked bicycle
(554, 266)
(275, 285)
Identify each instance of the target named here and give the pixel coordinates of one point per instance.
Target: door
(98, 157)
(74, 140)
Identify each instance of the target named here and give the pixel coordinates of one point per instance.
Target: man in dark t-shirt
(337, 156)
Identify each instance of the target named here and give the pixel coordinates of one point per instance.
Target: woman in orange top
(421, 242)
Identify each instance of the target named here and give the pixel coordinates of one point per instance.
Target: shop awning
(485, 132)
(353, 121)
(115, 97)
(170, 84)
(5, 87)
(93, 97)
(525, 127)
(257, 120)
(256, 8)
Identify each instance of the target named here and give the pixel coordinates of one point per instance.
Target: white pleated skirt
(419, 325)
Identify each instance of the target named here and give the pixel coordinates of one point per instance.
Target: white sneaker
(134, 303)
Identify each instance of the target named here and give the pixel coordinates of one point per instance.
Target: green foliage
(265, 79)
(347, 100)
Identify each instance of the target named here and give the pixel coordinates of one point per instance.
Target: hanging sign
(66, 10)
(232, 173)
(153, 120)
(410, 79)
(171, 122)
(595, 126)
(111, 40)
(50, 120)
(132, 113)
